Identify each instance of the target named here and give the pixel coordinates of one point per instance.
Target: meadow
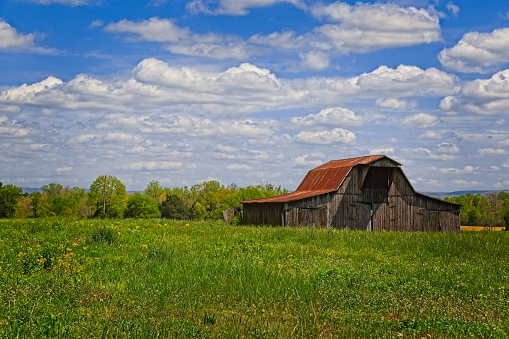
(63, 278)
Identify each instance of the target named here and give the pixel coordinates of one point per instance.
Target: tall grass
(144, 279)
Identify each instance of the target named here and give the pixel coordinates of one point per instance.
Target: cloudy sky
(252, 91)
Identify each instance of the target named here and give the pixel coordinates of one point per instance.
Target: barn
(365, 193)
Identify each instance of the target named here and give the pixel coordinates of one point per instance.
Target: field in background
(166, 279)
(481, 228)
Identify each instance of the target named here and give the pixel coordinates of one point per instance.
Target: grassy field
(166, 279)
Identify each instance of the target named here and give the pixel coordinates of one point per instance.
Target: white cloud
(10, 38)
(334, 116)
(481, 96)
(155, 84)
(122, 137)
(431, 135)
(477, 52)
(233, 7)
(426, 153)
(327, 137)
(309, 160)
(152, 165)
(12, 128)
(315, 60)
(447, 147)
(384, 82)
(420, 120)
(180, 40)
(396, 104)
(66, 169)
(465, 170)
(238, 167)
(454, 9)
(492, 151)
(464, 183)
(367, 27)
(387, 150)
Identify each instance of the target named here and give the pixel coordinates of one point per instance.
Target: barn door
(365, 216)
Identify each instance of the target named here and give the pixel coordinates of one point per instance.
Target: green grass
(167, 279)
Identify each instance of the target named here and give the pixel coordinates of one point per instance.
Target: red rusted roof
(322, 179)
(297, 195)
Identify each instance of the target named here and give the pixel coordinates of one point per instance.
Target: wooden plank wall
(398, 208)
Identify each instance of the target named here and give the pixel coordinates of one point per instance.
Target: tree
(175, 207)
(142, 206)
(9, 196)
(109, 195)
(155, 191)
(40, 204)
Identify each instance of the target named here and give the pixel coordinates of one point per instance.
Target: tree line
(107, 197)
(483, 210)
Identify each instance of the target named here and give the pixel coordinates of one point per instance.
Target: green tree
(155, 191)
(9, 196)
(175, 207)
(109, 195)
(142, 206)
(41, 204)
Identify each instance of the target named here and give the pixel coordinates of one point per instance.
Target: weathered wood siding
(397, 208)
(379, 199)
(263, 214)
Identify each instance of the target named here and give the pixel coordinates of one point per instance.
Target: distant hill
(30, 190)
(458, 193)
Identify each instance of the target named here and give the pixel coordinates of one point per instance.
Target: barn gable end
(365, 193)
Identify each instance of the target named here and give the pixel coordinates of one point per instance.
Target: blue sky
(252, 91)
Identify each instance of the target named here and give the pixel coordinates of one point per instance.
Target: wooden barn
(365, 193)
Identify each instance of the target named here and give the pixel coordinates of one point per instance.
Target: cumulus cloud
(11, 39)
(434, 155)
(383, 82)
(327, 137)
(367, 27)
(233, 7)
(309, 160)
(420, 120)
(152, 165)
(180, 40)
(12, 128)
(334, 116)
(464, 183)
(66, 169)
(238, 167)
(156, 84)
(465, 170)
(447, 147)
(396, 104)
(477, 52)
(492, 151)
(315, 60)
(431, 135)
(481, 96)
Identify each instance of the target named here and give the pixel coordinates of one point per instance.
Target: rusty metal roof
(322, 179)
(297, 195)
